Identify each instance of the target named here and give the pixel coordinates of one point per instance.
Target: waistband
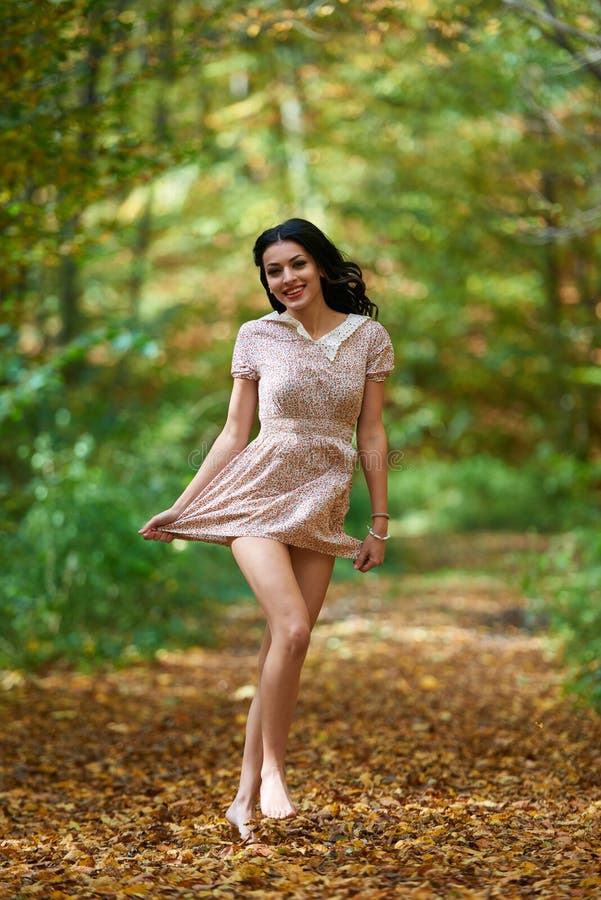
(314, 428)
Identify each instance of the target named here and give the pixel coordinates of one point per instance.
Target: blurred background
(452, 149)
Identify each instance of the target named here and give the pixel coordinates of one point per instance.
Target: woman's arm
(373, 453)
(230, 441)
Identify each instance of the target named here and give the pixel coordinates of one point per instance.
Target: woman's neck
(318, 321)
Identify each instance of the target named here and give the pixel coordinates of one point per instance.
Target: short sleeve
(380, 362)
(243, 356)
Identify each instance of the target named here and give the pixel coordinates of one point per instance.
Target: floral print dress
(292, 482)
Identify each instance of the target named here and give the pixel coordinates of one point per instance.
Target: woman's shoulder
(267, 326)
(376, 329)
(259, 323)
(250, 328)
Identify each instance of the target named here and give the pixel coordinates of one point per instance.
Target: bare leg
(290, 584)
(242, 810)
(267, 567)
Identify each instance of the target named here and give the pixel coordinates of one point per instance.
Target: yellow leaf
(245, 692)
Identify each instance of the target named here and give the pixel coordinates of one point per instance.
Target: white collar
(329, 342)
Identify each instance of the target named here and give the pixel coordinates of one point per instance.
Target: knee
(295, 639)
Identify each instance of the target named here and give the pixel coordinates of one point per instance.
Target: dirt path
(434, 755)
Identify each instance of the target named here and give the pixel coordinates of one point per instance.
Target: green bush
(548, 494)
(568, 596)
(79, 583)
(429, 496)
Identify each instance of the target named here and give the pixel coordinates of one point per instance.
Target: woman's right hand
(152, 531)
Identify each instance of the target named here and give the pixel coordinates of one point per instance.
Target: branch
(558, 33)
(548, 18)
(582, 223)
(574, 65)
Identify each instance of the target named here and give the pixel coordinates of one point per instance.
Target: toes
(287, 813)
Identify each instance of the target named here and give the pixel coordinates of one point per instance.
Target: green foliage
(567, 593)
(482, 492)
(27, 384)
(79, 583)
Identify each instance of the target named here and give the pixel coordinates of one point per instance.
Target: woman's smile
(295, 292)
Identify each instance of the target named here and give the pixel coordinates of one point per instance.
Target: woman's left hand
(371, 554)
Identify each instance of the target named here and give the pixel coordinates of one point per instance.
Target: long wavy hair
(342, 282)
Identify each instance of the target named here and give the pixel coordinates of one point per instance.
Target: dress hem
(224, 541)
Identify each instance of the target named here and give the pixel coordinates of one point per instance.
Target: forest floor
(434, 755)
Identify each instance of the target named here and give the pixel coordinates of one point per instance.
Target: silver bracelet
(380, 537)
(383, 515)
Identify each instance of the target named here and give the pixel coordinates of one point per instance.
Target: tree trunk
(303, 198)
(166, 70)
(561, 394)
(139, 262)
(70, 288)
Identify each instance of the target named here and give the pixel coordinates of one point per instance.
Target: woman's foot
(275, 800)
(240, 816)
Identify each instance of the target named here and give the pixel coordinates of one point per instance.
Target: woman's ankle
(270, 769)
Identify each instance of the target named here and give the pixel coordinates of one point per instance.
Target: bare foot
(275, 801)
(240, 815)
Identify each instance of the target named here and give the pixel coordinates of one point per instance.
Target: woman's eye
(297, 264)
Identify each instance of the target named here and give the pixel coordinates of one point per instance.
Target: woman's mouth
(293, 293)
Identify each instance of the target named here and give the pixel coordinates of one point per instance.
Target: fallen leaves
(434, 755)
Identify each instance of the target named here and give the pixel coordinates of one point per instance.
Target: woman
(315, 367)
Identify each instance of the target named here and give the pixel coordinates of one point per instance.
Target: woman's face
(293, 275)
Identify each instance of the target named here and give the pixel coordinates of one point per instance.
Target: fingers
(155, 534)
(145, 529)
(157, 523)
(368, 559)
(361, 561)
(153, 529)
(364, 563)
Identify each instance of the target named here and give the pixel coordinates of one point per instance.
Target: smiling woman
(314, 367)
